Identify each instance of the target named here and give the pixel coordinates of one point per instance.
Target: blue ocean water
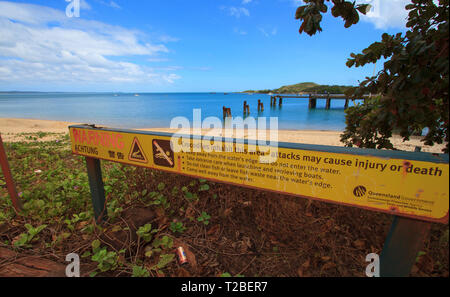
(149, 110)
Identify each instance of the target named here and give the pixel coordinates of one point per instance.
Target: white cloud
(41, 44)
(84, 5)
(246, 1)
(201, 68)
(169, 68)
(236, 11)
(268, 32)
(110, 3)
(166, 38)
(297, 3)
(114, 5)
(387, 13)
(157, 60)
(171, 78)
(239, 31)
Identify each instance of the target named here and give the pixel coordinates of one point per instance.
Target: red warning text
(103, 138)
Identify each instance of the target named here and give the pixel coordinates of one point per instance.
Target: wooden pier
(313, 99)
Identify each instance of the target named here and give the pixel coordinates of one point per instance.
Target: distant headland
(304, 87)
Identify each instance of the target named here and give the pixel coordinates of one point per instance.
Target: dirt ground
(259, 233)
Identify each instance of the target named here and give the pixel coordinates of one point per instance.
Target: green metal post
(97, 189)
(403, 243)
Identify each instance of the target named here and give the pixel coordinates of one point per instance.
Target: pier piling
(260, 105)
(246, 108)
(312, 102)
(273, 100)
(226, 112)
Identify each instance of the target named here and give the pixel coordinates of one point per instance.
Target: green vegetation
(413, 86)
(58, 214)
(227, 274)
(30, 236)
(145, 232)
(140, 271)
(107, 260)
(305, 87)
(177, 227)
(204, 217)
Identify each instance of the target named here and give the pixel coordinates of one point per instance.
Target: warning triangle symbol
(136, 152)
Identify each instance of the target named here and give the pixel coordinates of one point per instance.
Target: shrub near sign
(401, 183)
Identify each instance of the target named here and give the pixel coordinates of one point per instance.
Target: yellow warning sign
(136, 152)
(402, 183)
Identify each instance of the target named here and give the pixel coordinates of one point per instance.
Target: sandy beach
(17, 129)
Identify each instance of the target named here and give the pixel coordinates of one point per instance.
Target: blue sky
(179, 45)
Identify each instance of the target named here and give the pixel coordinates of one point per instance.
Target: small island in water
(304, 87)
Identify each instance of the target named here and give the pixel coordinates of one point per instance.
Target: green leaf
(164, 260)
(40, 228)
(420, 254)
(161, 186)
(204, 187)
(140, 271)
(95, 244)
(23, 239)
(93, 274)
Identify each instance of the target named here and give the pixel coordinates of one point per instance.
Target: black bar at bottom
(97, 189)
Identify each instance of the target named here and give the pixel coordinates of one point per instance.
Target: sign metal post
(402, 244)
(97, 189)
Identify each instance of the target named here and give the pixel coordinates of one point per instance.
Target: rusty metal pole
(8, 178)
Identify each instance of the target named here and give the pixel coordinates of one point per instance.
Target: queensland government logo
(359, 191)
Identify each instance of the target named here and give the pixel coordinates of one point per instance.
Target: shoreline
(15, 129)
